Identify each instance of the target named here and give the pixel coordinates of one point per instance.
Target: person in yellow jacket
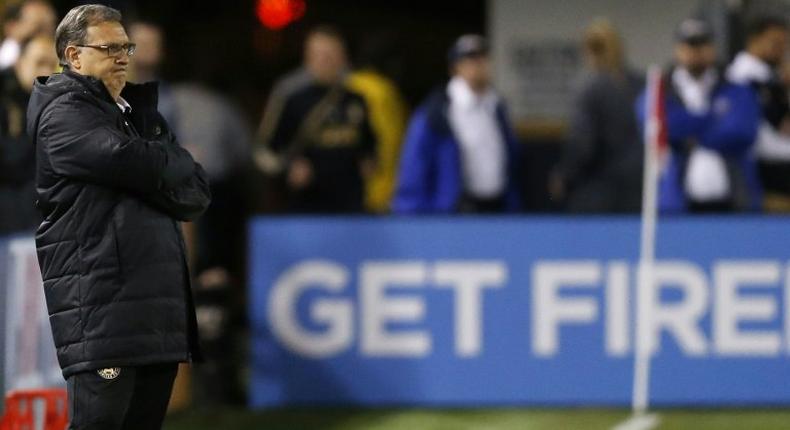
(388, 115)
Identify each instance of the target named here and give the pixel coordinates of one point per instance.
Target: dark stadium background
(223, 44)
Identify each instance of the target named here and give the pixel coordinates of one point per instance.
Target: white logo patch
(109, 372)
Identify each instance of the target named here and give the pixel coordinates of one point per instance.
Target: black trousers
(475, 205)
(122, 398)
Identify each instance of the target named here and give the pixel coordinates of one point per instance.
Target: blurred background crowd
(475, 107)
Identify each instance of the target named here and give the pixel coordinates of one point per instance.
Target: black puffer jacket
(17, 160)
(112, 187)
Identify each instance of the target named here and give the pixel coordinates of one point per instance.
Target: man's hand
(557, 187)
(367, 168)
(300, 174)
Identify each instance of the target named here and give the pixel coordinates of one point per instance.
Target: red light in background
(276, 14)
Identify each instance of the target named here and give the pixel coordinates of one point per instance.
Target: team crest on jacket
(109, 372)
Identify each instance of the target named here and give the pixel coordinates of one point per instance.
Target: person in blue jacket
(711, 127)
(460, 153)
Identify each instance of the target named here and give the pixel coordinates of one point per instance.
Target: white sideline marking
(639, 422)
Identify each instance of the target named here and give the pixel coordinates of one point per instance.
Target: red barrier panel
(20, 409)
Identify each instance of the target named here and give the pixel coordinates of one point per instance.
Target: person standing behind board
(316, 135)
(601, 166)
(711, 127)
(460, 152)
(757, 66)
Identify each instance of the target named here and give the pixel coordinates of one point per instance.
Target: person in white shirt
(472, 115)
(711, 125)
(757, 66)
(23, 21)
(460, 153)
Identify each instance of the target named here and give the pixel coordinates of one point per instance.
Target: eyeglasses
(115, 49)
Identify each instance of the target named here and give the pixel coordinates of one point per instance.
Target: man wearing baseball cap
(711, 126)
(460, 152)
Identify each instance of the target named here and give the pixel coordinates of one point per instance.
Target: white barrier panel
(29, 359)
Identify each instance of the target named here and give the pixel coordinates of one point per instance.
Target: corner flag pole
(655, 145)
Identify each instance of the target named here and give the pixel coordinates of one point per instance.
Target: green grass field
(483, 419)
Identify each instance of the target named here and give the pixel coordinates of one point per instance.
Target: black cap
(468, 45)
(694, 32)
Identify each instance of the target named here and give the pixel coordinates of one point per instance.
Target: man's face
(475, 70)
(770, 46)
(325, 58)
(38, 59)
(148, 38)
(35, 18)
(696, 58)
(95, 62)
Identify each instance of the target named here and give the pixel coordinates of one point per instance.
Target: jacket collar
(672, 91)
(437, 106)
(93, 85)
(462, 95)
(123, 105)
(137, 96)
(695, 91)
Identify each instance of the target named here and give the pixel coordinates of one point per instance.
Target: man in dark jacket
(17, 156)
(601, 166)
(112, 185)
(316, 135)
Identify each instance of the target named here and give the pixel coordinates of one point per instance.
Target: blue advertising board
(516, 311)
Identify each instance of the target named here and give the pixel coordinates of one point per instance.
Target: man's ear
(73, 57)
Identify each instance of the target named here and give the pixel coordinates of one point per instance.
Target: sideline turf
(483, 419)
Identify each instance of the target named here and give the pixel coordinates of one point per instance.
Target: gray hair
(73, 29)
